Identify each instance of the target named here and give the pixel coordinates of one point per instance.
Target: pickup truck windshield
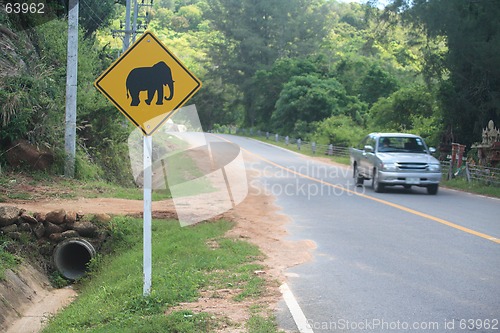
(395, 144)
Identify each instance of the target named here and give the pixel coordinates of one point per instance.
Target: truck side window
(361, 145)
(371, 141)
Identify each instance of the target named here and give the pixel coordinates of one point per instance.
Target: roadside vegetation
(187, 262)
(472, 187)
(306, 151)
(320, 70)
(42, 185)
(7, 259)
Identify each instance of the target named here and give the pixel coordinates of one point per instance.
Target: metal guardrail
(472, 173)
(486, 175)
(313, 147)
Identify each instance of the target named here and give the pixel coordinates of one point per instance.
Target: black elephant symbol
(150, 79)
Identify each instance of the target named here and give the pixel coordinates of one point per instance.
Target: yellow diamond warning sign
(147, 83)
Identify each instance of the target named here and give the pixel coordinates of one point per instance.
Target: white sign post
(132, 73)
(148, 179)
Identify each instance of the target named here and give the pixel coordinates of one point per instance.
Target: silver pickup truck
(395, 159)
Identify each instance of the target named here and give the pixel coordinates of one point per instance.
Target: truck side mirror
(368, 149)
(432, 150)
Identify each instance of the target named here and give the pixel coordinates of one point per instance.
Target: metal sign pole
(148, 179)
(147, 52)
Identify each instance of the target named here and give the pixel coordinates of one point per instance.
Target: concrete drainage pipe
(71, 257)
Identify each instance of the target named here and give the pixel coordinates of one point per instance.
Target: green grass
(19, 186)
(305, 151)
(7, 259)
(185, 261)
(261, 321)
(101, 189)
(472, 187)
(183, 168)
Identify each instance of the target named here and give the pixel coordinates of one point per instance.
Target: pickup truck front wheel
(432, 189)
(377, 186)
(359, 179)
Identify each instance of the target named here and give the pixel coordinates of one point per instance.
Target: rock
(101, 218)
(56, 237)
(51, 228)
(70, 217)
(14, 235)
(56, 216)
(8, 215)
(40, 217)
(70, 234)
(28, 219)
(9, 228)
(85, 229)
(24, 226)
(23, 153)
(39, 230)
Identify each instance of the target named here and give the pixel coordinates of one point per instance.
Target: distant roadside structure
(488, 151)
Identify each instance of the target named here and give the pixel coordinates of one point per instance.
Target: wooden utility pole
(71, 90)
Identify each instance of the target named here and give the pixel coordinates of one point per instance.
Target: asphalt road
(391, 262)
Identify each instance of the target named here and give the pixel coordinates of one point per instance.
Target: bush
(338, 130)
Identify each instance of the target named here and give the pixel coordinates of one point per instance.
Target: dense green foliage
(310, 69)
(32, 99)
(468, 73)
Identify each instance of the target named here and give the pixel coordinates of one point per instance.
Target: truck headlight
(434, 167)
(389, 167)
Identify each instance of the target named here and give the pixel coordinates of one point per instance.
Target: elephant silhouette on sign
(150, 79)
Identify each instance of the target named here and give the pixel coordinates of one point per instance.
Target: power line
(129, 33)
(93, 14)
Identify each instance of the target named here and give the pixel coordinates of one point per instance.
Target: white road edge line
(295, 310)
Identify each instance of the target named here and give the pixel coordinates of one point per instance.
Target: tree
(339, 130)
(375, 84)
(404, 110)
(193, 14)
(95, 14)
(266, 85)
(256, 33)
(216, 103)
(308, 98)
(470, 71)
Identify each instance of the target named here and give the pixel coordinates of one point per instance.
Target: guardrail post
(299, 142)
(330, 149)
(313, 146)
(277, 137)
(467, 172)
(287, 140)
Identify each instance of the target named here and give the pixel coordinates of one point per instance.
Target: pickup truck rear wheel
(377, 186)
(359, 179)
